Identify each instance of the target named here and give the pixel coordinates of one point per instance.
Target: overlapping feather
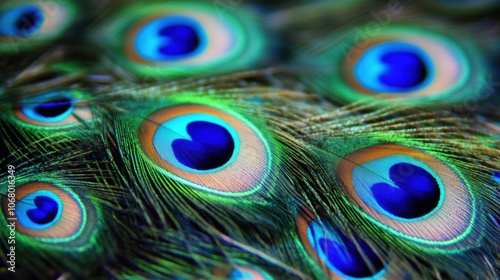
(259, 174)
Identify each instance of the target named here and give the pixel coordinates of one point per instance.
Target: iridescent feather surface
(235, 139)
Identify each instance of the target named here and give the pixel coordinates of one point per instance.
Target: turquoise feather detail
(258, 140)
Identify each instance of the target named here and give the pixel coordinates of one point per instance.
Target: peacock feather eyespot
(53, 109)
(176, 39)
(206, 148)
(187, 35)
(340, 256)
(403, 63)
(22, 20)
(23, 24)
(49, 214)
(410, 193)
(407, 63)
(394, 67)
(47, 211)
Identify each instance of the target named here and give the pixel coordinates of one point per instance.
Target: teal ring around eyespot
(28, 106)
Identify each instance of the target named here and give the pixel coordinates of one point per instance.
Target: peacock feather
(249, 140)
(208, 38)
(29, 24)
(439, 169)
(397, 59)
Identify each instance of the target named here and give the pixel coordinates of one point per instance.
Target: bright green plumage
(136, 149)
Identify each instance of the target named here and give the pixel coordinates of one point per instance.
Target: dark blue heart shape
(183, 39)
(351, 258)
(404, 71)
(28, 22)
(415, 195)
(211, 146)
(54, 108)
(45, 212)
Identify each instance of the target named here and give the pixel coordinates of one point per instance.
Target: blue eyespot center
(39, 210)
(394, 67)
(342, 254)
(21, 21)
(54, 108)
(29, 22)
(184, 37)
(45, 212)
(407, 70)
(399, 186)
(49, 107)
(198, 142)
(416, 192)
(170, 38)
(211, 146)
